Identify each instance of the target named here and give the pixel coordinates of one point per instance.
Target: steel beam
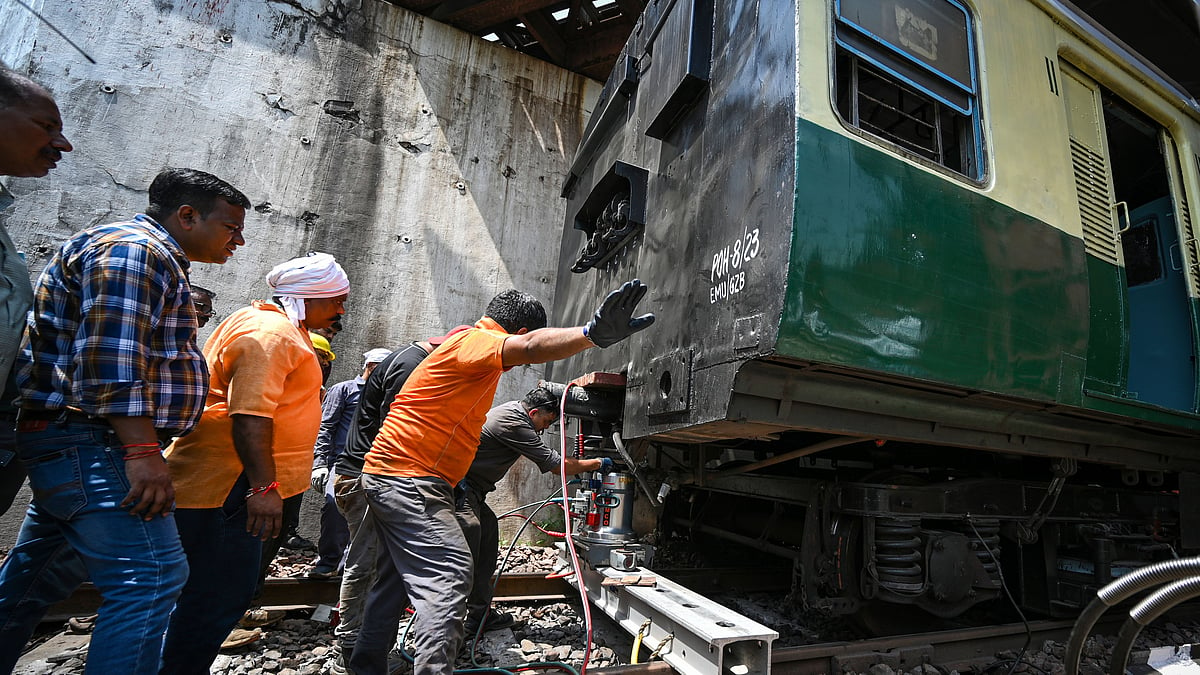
(693, 634)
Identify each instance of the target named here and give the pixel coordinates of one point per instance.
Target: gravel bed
(297, 645)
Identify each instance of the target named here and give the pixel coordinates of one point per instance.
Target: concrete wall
(426, 160)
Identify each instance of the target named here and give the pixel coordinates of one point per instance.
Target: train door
(1141, 344)
(1160, 332)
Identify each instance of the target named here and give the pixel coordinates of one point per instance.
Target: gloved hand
(606, 465)
(614, 320)
(318, 479)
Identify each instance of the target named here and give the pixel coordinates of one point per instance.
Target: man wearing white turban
(233, 473)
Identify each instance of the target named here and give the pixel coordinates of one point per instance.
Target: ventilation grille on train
(1095, 206)
(1188, 234)
(1191, 247)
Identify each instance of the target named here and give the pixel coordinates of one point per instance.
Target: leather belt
(62, 415)
(39, 420)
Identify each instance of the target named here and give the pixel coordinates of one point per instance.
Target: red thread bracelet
(273, 485)
(155, 444)
(144, 453)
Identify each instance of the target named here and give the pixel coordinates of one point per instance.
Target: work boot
(322, 572)
(494, 620)
(397, 664)
(297, 543)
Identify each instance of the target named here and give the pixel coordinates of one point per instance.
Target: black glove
(614, 320)
(606, 465)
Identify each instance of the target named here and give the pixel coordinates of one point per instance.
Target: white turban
(375, 356)
(316, 275)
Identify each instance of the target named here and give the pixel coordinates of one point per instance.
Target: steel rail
(958, 649)
(304, 592)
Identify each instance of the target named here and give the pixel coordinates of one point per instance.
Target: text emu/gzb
(726, 274)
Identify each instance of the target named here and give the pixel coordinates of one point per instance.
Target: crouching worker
(513, 430)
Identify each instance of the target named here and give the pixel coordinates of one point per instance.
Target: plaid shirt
(113, 330)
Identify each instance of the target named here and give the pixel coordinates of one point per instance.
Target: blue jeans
(75, 528)
(224, 559)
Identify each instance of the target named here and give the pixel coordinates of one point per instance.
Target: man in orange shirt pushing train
(425, 447)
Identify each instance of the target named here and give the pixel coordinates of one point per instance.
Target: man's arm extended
(612, 322)
(545, 344)
(252, 437)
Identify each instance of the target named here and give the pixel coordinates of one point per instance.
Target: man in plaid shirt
(108, 371)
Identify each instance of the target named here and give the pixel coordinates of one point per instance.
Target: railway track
(304, 592)
(282, 592)
(958, 649)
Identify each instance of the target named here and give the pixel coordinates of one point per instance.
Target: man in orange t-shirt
(251, 450)
(425, 447)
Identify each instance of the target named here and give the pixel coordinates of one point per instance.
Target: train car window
(1143, 262)
(905, 73)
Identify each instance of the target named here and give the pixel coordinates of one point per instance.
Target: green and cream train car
(926, 281)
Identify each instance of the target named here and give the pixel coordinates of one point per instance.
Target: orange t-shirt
(261, 365)
(433, 425)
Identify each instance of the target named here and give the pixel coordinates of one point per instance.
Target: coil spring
(898, 555)
(988, 550)
(578, 446)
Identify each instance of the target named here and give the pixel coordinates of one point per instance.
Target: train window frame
(941, 110)
(1149, 268)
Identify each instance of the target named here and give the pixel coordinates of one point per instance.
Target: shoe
(258, 616)
(495, 620)
(298, 543)
(240, 637)
(397, 664)
(322, 572)
(339, 666)
(81, 624)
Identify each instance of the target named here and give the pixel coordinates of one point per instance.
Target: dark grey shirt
(507, 436)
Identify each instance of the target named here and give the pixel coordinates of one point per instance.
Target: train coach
(926, 280)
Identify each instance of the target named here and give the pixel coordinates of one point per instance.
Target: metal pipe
(1116, 592)
(827, 444)
(653, 497)
(1145, 613)
(781, 551)
(604, 405)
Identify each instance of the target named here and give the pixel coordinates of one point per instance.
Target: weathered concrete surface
(427, 160)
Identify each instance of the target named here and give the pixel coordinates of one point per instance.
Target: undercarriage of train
(863, 524)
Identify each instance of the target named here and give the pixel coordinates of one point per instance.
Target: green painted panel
(900, 271)
(1108, 345)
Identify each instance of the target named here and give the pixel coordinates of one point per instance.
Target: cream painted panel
(1028, 162)
(1089, 159)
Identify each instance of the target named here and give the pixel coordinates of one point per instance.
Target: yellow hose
(637, 642)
